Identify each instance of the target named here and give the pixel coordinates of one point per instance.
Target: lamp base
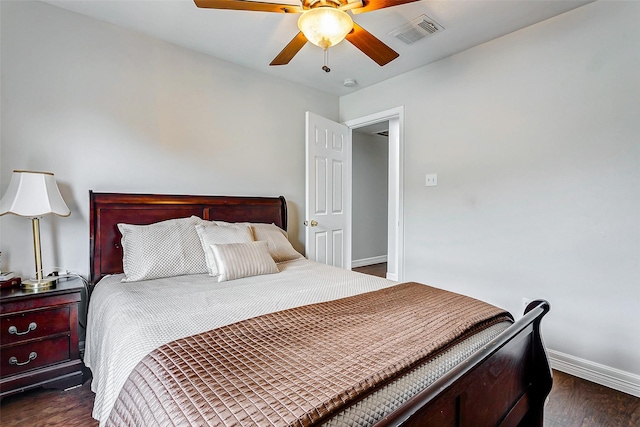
(36, 285)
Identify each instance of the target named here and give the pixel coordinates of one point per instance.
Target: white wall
(107, 109)
(535, 139)
(370, 171)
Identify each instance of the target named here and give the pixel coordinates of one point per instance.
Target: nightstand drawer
(33, 355)
(36, 324)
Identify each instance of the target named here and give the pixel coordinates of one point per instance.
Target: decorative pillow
(279, 246)
(212, 234)
(237, 260)
(164, 249)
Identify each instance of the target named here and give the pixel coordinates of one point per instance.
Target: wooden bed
(504, 384)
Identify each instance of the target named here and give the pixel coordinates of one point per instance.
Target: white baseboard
(600, 374)
(368, 261)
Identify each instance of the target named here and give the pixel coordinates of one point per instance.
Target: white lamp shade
(33, 194)
(325, 26)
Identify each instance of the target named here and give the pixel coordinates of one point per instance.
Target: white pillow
(278, 240)
(211, 234)
(237, 260)
(279, 246)
(164, 249)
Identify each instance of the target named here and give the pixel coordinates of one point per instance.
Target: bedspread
(297, 366)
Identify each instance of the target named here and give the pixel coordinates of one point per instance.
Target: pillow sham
(163, 249)
(238, 260)
(277, 239)
(210, 234)
(280, 247)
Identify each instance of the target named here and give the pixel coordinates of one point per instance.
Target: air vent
(417, 29)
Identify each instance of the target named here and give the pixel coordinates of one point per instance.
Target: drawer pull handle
(14, 360)
(32, 327)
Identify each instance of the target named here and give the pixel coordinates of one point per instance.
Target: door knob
(313, 223)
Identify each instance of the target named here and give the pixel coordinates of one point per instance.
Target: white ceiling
(253, 39)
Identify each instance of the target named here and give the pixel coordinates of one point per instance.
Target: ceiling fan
(324, 23)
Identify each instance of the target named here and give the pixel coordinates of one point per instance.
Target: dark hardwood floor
(48, 407)
(379, 270)
(573, 402)
(580, 403)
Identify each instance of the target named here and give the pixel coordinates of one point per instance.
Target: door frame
(395, 225)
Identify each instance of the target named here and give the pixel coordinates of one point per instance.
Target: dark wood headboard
(108, 209)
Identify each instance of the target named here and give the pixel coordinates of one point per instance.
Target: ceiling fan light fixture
(325, 26)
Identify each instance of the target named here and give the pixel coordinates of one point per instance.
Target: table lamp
(33, 195)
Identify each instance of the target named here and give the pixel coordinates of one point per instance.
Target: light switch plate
(431, 179)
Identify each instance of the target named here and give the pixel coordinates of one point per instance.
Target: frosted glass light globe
(325, 26)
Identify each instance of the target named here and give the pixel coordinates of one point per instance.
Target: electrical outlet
(431, 180)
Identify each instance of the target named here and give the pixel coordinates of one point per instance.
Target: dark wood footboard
(504, 384)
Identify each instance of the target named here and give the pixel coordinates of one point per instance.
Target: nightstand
(39, 337)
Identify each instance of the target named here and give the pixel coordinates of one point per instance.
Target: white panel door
(328, 192)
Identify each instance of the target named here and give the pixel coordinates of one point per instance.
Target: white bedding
(128, 320)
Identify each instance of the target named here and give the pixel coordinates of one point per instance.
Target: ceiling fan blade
(371, 46)
(290, 50)
(370, 5)
(248, 5)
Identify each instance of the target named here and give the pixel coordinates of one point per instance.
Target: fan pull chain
(325, 67)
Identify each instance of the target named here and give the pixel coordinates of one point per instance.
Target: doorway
(370, 195)
(391, 124)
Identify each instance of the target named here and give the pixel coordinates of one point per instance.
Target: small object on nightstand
(11, 282)
(7, 275)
